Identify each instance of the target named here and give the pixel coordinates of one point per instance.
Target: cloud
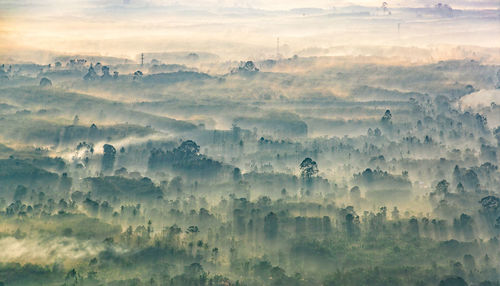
(482, 98)
(233, 28)
(46, 251)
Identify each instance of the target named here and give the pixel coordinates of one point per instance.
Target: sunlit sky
(125, 28)
(256, 4)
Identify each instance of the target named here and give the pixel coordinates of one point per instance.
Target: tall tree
(308, 168)
(108, 159)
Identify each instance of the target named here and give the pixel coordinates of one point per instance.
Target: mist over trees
(183, 169)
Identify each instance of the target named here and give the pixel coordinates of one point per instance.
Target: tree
(189, 147)
(72, 277)
(490, 203)
(496, 132)
(215, 255)
(453, 281)
(442, 187)
(105, 73)
(20, 193)
(150, 228)
(192, 229)
(91, 74)
(239, 221)
(108, 159)
(283, 192)
(308, 168)
(247, 67)
(395, 213)
(236, 174)
(351, 224)
(481, 122)
(466, 226)
(413, 229)
(137, 75)
(271, 226)
(470, 179)
(277, 274)
(387, 118)
(327, 225)
(355, 194)
(45, 82)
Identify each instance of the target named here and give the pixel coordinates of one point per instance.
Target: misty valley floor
(298, 171)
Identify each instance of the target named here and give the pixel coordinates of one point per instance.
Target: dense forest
(359, 174)
(249, 143)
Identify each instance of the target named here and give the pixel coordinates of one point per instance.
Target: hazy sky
(257, 4)
(238, 27)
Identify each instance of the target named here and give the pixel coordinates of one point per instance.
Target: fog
(43, 252)
(245, 30)
(482, 98)
(249, 143)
